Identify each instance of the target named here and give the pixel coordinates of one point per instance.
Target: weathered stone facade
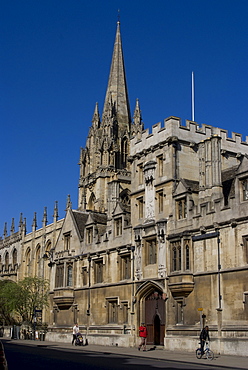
(160, 233)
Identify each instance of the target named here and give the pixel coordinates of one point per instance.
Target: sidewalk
(158, 353)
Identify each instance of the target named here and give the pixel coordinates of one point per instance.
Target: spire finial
(12, 229)
(34, 224)
(5, 232)
(117, 87)
(20, 222)
(118, 17)
(44, 220)
(55, 212)
(68, 202)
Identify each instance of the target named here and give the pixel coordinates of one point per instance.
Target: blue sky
(54, 64)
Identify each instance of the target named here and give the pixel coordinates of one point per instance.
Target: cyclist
(203, 337)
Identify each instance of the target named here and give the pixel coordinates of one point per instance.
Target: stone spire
(68, 202)
(55, 212)
(34, 224)
(44, 220)
(12, 229)
(5, 232)
(25, 225)
(20, 222)
(116, 100)
(96, 117)
(137, 126)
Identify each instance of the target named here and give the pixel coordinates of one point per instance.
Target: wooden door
(155, 318)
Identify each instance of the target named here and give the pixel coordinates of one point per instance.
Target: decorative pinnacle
(68, 202)
(118, 17)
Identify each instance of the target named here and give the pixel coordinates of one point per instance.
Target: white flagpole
(193, 98)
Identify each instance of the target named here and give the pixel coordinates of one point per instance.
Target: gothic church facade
(160, 233)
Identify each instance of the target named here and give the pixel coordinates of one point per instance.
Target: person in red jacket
(143, 336)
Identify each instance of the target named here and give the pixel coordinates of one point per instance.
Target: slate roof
(191, 185)
(80, 219)
(229, 173)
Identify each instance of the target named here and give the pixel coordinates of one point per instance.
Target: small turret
(20, 222)
(12, 229)
(44, 220)
(55, 212)
(138, 125)
(68, 202)
(5, 232)
(34, 224)
(96, 118)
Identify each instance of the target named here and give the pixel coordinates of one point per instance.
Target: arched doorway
(157, 327)
(155, 318)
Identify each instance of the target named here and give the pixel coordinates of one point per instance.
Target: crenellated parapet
(191, 132)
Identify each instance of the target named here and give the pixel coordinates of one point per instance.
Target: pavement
(158, 353)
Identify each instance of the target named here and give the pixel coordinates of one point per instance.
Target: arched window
(124, 152)
(125, 198)
(6, 261)
(176, 257)
(38, 261)
(14, 257)
(91, 203)
(28, 262)
(48, 246)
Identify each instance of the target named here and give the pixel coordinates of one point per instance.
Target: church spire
(116, 100)
(137, 126)
(96, 117)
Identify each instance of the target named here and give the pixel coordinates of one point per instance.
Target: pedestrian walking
(143, 336)
(75, 331)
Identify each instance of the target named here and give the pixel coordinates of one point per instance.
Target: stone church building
(160, 233)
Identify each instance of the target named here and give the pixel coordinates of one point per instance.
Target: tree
(8, 293)
(22, 298)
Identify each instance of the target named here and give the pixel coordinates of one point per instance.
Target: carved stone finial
(68, 202)
(55, 211)
(34, 224)
(5, 232)
(44, 220)
(12, 229)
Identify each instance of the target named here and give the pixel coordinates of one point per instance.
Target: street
(48, 357)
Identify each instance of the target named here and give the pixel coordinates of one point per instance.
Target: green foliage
(20, 299)
(7, 296)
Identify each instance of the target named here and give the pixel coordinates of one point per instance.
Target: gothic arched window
(91, 202)
(14, 257)
(6, 261)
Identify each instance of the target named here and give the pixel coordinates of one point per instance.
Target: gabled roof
(96, 218)
(186, 186)
(119, 209)
(80, 220)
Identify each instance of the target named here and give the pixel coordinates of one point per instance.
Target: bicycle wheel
(209, 354)
(198, 353)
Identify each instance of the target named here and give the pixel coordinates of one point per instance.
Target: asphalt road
(45, 357)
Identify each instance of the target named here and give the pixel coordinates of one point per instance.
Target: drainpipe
(132, 298)
(88, 309)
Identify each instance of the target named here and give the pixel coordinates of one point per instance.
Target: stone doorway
(155, 318)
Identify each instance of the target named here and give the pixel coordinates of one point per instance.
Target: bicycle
(207, 352)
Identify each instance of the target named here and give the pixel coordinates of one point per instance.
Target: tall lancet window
(38, 261)
(6, 261)
(124, 153)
